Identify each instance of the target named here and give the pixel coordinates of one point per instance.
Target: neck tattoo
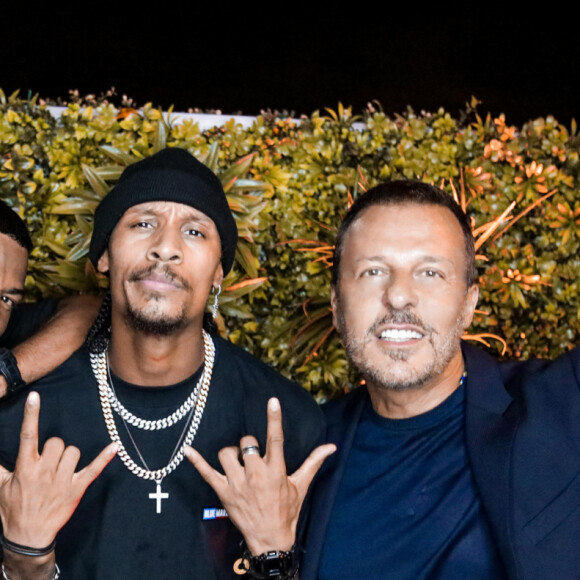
(192, 408)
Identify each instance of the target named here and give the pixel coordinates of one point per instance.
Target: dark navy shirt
(407, 507)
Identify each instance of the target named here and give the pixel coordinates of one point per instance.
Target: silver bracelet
(55, 577)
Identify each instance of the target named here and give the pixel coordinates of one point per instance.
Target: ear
(333, 304)
(103, 263)
(470, 305)
(218, 277)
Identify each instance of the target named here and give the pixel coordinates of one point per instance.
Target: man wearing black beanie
(150, 383)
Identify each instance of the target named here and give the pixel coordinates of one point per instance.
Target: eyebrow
(17, 291)
(195, 214)
(426, 258)
(436, 259)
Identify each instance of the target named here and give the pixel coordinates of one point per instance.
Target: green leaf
(95, 181)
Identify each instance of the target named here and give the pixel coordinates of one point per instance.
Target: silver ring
(250, 450)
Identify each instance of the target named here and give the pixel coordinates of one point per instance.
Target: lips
(400, 326)
(157, 279)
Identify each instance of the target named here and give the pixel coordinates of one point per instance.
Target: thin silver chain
(178, 414)
(99, 365)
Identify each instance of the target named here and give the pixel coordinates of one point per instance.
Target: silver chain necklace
(178, 414)
(158, 495)
(99, 364)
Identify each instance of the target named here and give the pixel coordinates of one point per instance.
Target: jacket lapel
(490, 426)
(342, 421)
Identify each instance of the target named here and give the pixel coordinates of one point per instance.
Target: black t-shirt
(115, 533)
(26, 319)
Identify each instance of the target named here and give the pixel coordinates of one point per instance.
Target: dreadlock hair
(209, 324)
(99, 334)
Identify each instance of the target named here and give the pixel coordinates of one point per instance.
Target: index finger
(275, 436)
(214, 478)
(29, 431)
(88, 474)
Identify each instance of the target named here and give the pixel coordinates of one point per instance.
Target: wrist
(26, 541)
(10, 371)
(282, 543)
(281, 565)
(26, 549)
(19, 567)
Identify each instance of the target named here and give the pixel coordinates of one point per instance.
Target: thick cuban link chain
(99, 366)
(178, 414)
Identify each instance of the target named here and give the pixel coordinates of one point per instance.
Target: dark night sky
(524, 66)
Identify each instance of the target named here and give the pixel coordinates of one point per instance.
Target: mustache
(401, 317)
(163, 270)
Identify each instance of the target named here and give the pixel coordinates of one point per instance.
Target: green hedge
(289, 183)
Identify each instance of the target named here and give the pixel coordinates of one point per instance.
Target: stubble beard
(148, 323)
(389, 376)
(152, 320)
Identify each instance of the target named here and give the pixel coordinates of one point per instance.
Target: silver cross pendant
(158, 496)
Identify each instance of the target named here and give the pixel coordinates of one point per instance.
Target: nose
(166, 246)
(400, 292)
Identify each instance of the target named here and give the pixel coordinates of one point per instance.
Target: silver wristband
(55, 577)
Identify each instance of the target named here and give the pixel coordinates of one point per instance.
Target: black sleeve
(26, 319)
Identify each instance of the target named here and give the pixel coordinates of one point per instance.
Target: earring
(214, 308)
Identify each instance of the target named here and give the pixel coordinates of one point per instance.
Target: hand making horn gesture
(261, 499)
(39, 497)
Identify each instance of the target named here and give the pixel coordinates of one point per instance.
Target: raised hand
(39, 497)
(261, 499)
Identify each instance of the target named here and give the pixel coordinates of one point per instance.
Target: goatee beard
(155, 327)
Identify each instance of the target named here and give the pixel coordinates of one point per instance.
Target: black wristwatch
(273, 564)
(9, 369)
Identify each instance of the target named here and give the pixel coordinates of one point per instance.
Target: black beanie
(12, 226)
(172, 174)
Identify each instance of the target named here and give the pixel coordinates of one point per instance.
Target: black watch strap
(280, 565)
(9, 369)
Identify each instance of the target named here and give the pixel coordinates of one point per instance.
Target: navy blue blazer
(523, 441)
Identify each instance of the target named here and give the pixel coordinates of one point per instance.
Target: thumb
(304, 475)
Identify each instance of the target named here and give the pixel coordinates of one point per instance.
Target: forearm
(26, 543)
(57, 339)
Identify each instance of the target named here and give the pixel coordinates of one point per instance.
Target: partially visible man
(449, 464)
(15, 245)
(34, 338)
(151, 382)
